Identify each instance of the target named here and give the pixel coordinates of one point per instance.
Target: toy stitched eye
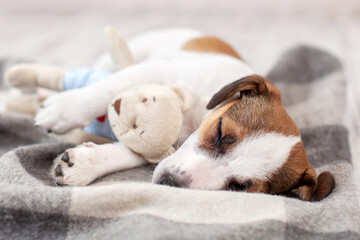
(144, 100)
(135, 126)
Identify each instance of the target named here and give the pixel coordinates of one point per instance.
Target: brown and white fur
(247, 143)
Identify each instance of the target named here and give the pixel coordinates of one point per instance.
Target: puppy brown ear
(312, 189)
(254, 84)
(325, 185)
(306, 185)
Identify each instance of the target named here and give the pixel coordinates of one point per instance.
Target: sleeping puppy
(248, 143)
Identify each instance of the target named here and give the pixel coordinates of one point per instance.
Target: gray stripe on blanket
(40, 157)
(312, 86)
(326, 144)
(18, 130)
(303, 64)
(149, 227)
(20, 224)
(139, 174)
(33, 212)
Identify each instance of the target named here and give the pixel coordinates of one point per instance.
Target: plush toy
(146, 118)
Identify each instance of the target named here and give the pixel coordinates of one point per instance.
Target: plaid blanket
(125, 205)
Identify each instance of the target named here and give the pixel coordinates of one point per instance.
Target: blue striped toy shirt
(79, 78)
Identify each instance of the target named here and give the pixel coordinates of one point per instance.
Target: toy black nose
(116, 106)
(168, 180)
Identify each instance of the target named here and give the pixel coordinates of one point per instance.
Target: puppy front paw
(65, 111)
(77, 166)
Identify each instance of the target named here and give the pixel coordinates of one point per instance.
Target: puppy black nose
(116, 106)
(167, 180)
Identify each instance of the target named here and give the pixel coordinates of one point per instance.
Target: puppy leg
(83, 164)
(118, 48)
(118, 55)
(35, 75)
(78, 107)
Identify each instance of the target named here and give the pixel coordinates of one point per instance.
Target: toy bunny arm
(78, 107)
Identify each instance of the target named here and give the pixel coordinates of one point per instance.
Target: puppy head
(148, 118)
(248, 143)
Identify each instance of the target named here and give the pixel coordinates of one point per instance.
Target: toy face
(147, 119)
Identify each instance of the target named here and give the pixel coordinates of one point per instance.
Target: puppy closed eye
(220, 141)
(234, 185)
(228, 139)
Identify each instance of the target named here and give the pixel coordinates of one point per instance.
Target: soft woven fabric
(125, 205)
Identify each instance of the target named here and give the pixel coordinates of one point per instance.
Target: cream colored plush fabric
(149, 117)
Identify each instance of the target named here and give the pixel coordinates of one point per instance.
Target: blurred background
(70, 33)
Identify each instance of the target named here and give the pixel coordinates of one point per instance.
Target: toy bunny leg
(78, 136)
(26, 103)
(83, 164)
(35, 75)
